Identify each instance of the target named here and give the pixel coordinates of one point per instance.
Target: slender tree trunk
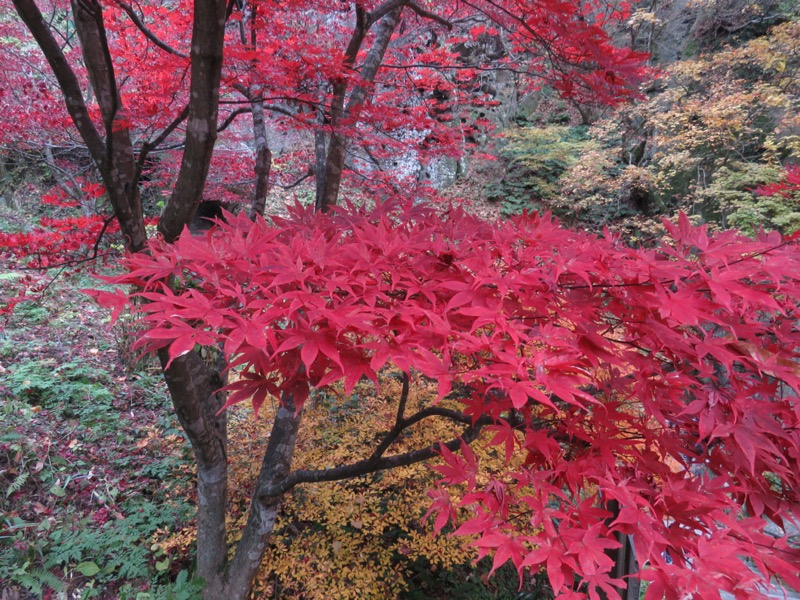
(264, 508)
(263, 164)
(193, 386)
(337, 149)
(192, 383)
(320, 150)
(118, 163)
(208, 35)
(114, 154)
(624, 559)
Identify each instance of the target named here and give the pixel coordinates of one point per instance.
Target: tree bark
(193, 386)
(320, 151)
(208, 33)
(624, 558)
(264, 508)
(263, 164)
(114, 155)
(192, 383)
(119, 171)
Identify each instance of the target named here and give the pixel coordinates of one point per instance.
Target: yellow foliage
(719, 104)
(354, 539)
(724, 123)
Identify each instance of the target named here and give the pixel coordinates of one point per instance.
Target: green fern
(36, 580)
(17, 484)
(47, 579)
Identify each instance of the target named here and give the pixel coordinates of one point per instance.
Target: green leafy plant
(733, 194)
(536, 157)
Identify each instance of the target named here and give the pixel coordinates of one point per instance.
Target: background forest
(96, 485)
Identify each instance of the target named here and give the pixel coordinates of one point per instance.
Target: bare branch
(67, 81)
(106, 223)
(308, 174)
(147, 32)
(426, 14)
(401, 407)
(68, 263)
(383, 10)
(376, 461)
(232, 117)
(366, 466)
(148, 147)
(281, 110)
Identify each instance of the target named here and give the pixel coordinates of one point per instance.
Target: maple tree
(661, 379)
(569, 348)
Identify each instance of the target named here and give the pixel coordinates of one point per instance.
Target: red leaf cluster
(785, 188)
(664, 380)
(54, 241)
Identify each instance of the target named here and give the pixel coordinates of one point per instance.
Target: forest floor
(92, 468)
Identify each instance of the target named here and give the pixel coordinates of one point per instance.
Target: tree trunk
(118, 164)
(320, 150)
(208, 35)
(337, 147)
(264, 508)
(192, 383)
(114, 155)
(263, 164)
(193, 386)
(624, 558)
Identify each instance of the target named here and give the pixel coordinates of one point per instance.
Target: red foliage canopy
(292, 57)
(665, 380)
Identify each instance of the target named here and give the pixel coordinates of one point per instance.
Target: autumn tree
(649, 393)
(569, 347)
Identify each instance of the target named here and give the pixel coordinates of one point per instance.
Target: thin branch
(67, 80)
(148, 147)
(147, 32)
(106, 223)
(309, 173)
(365, 467)
(401, 407)
(376, 461)
(42, 292)
(67, 263)
(437, 411)
(426, 14)
(231, 117)
(281, 110)
(94, 256)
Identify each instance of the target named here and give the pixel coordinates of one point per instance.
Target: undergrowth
(91, 464)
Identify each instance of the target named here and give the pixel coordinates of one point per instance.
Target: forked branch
(148, 33)
(377, 461)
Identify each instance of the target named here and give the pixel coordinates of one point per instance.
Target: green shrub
(536, 157)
